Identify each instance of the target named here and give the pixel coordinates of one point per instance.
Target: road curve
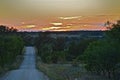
(27, 70)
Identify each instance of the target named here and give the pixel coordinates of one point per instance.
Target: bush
(10, 47)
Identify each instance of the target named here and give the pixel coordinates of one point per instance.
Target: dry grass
(61, 71)
(66, 72)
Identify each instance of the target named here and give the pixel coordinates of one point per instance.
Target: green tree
(10, 47)
(51, 50)
(59, 44)
(76, 49)
(103, 56)
(114, 32)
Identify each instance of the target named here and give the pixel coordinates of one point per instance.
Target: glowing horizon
(58, 15)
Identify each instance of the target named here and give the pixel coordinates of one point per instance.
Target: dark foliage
(10, 47)
(7, 29)
(103, 56)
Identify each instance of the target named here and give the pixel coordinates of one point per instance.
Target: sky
(58, 15)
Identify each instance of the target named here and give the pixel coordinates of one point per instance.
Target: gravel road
(27, 70)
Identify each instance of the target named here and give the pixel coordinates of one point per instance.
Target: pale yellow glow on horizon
(53, 28)
(67, 18)
(27, 26)
(57, 24)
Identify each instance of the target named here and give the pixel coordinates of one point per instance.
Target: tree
(10, 47)
(59, 44)
(76, 49)
(108, 24)
(7, 29)
(114, 32)
(103, 56)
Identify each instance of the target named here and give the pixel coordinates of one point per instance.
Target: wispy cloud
(57, 24)
(27, 26)
(53, 28)
(67, 18)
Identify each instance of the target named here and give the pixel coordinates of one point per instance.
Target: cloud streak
(68, 18)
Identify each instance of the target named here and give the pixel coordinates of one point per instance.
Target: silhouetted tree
(108, 23)
(7, 29)
(114, 32)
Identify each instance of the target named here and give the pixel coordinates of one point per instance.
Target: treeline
(4, 29)
(100, 56)
(10, 47)
(59, 50)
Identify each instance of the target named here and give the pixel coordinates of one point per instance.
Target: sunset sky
(58, 15)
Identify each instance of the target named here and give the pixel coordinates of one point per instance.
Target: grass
(61, 71)
(67, 72)
(13, 66)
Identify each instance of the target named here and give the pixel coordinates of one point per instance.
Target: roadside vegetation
(95, 59)
(11, 47)
(103, 56)
(57, 50)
